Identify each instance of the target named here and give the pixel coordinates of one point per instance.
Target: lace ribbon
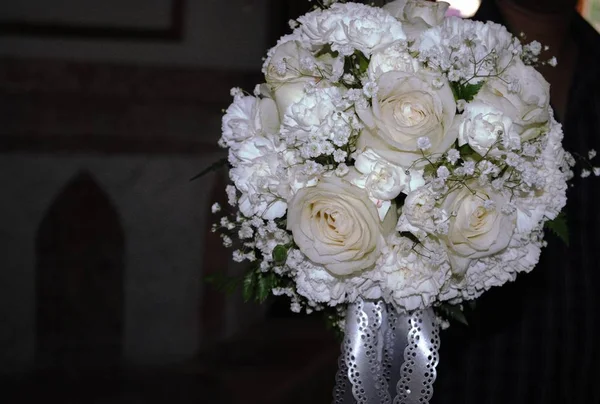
(387, 358)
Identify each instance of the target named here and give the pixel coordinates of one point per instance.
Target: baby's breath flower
(227, 242)
(238, 256)
(452, 156)
(246, 231)
(370, 89)
(236, 92)
(341, 170)
(231, 195)
(215, 208)
(348, 78)
(251, 256)
(469, 167)
(423, 143)
(508, 209)
(489, 204)
(443, 172)
(340, 155)
(442, 228)
(498, 184)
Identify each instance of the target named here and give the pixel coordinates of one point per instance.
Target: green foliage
(559, 227)
(465, 91)
(249, 286)
(357, 65)
(326, 49)
(280, 253)
(257, 285)
(266, 283)
(363, 61)
(451, 312)
(213, 167)
(466, 151)
(429, 170)
(333, 316)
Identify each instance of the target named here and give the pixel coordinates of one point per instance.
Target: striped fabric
(537, 340)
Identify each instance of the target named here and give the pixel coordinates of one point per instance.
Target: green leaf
(363, 61)
(429, 170)
(559, 227)
(466, 91)
(265, 285)
(453, 313)
(280, 253)
(466, 151)
(249, 286)
(213, 167)
(356, 64)
(326, 50)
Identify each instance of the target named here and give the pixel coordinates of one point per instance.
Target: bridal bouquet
(392, 154)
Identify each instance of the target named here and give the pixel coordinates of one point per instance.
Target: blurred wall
(225, 34)
(138, 116)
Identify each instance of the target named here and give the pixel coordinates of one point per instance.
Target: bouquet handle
(387, 357)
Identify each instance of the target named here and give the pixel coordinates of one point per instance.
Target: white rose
(473, 230)
(484, 127)
(406, 107)
(290, 68)
(248, 117)
(336, 225)
(417, 15)
(522, 94)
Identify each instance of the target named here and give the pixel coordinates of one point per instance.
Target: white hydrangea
(410, 278)
(246, 119)
(521, 256)
(319, 286)
(458, 45)
(395, 57)
(547, 195)
(258, 182)
(349, 27)
(319, 117)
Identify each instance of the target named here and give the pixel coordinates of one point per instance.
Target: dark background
(105, 115)
(107, 110)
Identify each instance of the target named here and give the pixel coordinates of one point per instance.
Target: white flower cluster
(393, 153)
